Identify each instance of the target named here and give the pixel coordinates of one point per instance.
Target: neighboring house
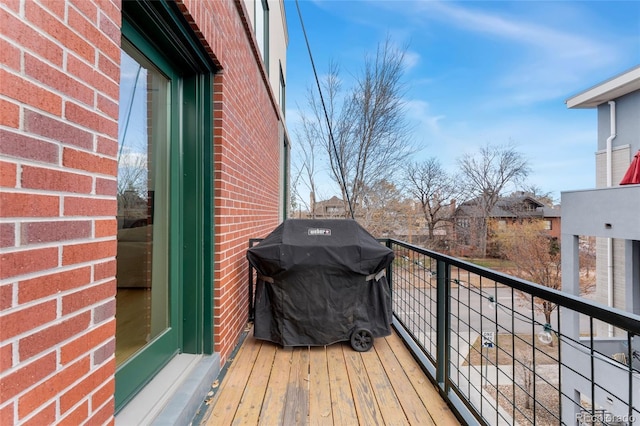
(331, 208)
(612, 214)
(142, 144)
(508, 210)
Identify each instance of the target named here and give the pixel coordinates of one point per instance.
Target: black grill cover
(318, 281)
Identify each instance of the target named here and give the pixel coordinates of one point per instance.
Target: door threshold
(174, 395)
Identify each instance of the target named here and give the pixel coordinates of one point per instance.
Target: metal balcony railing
(483, 338)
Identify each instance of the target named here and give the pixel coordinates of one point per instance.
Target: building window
(282, 92)
(547, 225)
(286, 201)
(143, 198)
(262, 29)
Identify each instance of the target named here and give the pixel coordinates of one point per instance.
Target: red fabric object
(633, 174)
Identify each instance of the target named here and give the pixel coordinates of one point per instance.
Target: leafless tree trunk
(486, 174)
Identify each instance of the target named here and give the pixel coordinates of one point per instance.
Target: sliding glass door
(148, 220)
(165, 195)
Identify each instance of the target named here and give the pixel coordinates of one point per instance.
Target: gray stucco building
(611, 213)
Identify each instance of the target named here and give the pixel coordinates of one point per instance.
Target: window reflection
(143, 200)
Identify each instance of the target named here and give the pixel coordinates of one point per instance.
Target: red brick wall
(246, 158)
(58, 146)
(58, 141)
(556, 227)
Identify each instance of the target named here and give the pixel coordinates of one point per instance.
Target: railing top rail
(622, 319)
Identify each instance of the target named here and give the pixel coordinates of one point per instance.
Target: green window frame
(286, 165)
(161, 33)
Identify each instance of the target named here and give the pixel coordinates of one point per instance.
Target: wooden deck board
(296, 408)
(333, 385)
(392, 412)
(437, 407)
(235, 384)
(319, 400)
(409, 399)
(275, 395)
(250, 405)
(343, 407)
(363, 397)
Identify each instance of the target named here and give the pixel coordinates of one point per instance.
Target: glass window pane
(143, 204)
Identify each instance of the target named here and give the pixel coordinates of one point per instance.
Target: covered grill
(321, 282)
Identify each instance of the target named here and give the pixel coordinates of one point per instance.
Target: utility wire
(324, 108)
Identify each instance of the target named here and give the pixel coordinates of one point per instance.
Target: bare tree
(486, 175)
(369, 136)
(132, 173)
(536, 257)
(313, 136)
(296, 200)
(309, 144)
(429, 184)
(133, 192)
(382, 210)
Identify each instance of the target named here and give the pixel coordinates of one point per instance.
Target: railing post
(251, 309)
(390, 269)
(251, 283)
(443, 321)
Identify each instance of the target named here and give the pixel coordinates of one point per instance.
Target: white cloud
(550, 56)
(418, 112)
(411, 59)
(515, 28)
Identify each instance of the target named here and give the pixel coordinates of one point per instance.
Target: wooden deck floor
(333, 385)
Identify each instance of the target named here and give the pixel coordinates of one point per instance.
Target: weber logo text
(318, 231)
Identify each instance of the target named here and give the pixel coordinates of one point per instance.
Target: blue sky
(479, 72)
